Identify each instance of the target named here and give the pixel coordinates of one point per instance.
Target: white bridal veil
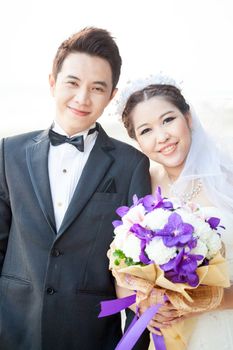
(208, 161)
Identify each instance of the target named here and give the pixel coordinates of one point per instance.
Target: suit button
(55, 252)
(50, 290)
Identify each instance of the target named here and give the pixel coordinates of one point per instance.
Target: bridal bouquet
(161, 244)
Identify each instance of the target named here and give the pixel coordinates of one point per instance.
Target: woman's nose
(162, 136)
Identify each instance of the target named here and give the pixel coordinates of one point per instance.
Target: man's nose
(82, 96)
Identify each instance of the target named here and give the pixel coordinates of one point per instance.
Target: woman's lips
(167, 150)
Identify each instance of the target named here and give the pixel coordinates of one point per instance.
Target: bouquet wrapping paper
(163, 250)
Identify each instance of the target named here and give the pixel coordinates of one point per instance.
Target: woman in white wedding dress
(189, 165)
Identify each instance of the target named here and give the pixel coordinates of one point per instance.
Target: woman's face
(163, 133)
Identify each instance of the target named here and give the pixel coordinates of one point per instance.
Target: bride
(190, 166)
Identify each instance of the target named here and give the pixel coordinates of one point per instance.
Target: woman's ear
(189, 120)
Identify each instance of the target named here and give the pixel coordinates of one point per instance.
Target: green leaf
(129, 261)
(119, 254)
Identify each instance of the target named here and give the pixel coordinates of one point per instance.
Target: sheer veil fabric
(208, 161)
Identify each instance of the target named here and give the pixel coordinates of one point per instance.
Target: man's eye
(168, 120)
(98, 89)
(72, 83)
(145, 131)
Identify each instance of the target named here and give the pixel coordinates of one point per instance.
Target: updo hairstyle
(169, 92)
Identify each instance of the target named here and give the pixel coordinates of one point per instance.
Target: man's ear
(52, 83)
(113, 93)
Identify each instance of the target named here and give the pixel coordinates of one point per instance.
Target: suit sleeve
(5, 210)
(141, 186)
(140, 182)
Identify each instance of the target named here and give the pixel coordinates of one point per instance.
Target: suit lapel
(98, 163)
(37, 161)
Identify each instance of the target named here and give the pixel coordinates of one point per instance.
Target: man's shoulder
(123, 146)
(116, 144)
(16, 144)
(22, 137)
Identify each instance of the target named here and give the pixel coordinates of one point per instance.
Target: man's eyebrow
(99, 82)
(103, 83)
(72, 77)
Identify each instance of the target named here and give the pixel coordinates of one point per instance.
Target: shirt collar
(57, 128)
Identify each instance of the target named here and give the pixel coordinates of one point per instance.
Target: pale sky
(188, 39)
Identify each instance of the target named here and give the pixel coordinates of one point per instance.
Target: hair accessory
(139, 84)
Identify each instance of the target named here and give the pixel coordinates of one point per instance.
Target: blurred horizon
(186, 39)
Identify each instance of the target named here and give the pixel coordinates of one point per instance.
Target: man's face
(82, 91)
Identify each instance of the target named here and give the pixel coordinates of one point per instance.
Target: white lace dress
(214, 330)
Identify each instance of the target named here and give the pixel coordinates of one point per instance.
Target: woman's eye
(168, 120)
(145, 131)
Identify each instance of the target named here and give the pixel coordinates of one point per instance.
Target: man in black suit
(59, 190)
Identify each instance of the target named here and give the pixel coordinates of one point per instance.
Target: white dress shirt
(65, 166)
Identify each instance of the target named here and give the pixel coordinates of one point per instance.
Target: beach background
(190, 40)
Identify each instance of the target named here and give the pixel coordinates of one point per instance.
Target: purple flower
(145, 236)
(176, 232)
(136, 201)
(192, 243)
(182, 269)
(121, 211)
(213, 222)
(192, 278)
(151, 202)
(117, 223)
(173, 263)
(142, 232)
(143, 257)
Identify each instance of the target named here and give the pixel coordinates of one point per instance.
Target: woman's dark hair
(169, 92)
(92, 41)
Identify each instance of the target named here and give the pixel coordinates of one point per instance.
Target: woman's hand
(166, 315)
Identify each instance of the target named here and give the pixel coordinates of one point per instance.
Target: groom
(59, 190)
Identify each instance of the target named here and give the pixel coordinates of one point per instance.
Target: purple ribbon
(132, 335)
(159, 341)
(137, 326)
(110, 307)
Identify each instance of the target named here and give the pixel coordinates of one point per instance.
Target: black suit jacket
(52, 282)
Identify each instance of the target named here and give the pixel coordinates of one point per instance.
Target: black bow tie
(77, 141)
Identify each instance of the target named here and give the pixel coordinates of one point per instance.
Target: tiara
(139, 84)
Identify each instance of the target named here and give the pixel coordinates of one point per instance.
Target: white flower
(158, 252)
(121, 233)
(201, 228)
(134, 215)
(132, 247)
(187, 216)
(156, 219)
(214, 245)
